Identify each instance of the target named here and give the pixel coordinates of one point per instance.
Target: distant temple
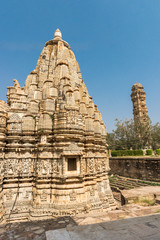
(53, 158)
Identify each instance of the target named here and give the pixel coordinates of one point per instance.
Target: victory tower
(138, 97)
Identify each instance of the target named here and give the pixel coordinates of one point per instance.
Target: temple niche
(52, 143)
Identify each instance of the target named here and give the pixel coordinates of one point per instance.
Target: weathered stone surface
(53, 158)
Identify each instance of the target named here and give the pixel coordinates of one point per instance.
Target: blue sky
(116, 43)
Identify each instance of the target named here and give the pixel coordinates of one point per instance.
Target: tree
(123, 137)
(155, 134)
(129, 135)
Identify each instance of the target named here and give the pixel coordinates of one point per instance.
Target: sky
(116, 43)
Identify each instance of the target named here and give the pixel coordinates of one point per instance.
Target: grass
(150, 183)
(147, 202)
(157, 211)
(112, 178)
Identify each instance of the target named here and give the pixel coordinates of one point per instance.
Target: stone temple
(53, 158)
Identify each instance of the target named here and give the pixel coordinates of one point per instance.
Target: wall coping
(135, 158)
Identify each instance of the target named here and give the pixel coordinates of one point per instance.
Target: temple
(53, 157)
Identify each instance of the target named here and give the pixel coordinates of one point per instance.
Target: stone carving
(2, 120)
(55, 167)
(26, 196)
(98, 165)
(73, 196)
(104, 167)
(11, 166)
(53, 141)
(26, 165)
(92, 191)
(16, 83)
(90, 165)
(9, 195)
(15, 118)
(43, 196)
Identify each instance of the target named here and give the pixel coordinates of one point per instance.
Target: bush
(138, 153)
(130, 153)
(127, 153)
(114, 153)
(149, 152)
(158, 151)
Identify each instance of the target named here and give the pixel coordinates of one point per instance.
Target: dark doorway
(72, 165)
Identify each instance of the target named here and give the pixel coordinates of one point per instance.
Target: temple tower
(141, 119)
(53, 142)
(138, 97)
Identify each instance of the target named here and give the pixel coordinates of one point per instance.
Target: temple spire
(57, 34)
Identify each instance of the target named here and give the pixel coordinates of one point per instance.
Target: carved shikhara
(53, 158)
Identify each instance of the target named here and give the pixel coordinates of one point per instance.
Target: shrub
(138, 153)
(149, 152)
(114, 153)
(130, 153)
(127, 153)
(158, 151)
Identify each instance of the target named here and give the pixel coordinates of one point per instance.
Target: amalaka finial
(57, 34)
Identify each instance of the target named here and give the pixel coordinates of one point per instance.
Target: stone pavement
(32, 230)
(142, 228)
(129, 222)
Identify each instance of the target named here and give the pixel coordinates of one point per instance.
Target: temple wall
(2, 212)
(146, 168)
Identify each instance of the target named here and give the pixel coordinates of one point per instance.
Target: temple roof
(57, 37)
(3, 106)
(58, 33)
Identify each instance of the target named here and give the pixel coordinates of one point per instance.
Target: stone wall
(147, 168)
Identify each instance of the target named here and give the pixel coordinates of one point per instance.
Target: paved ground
(142, 228)
(130, 224)
(37, 230)
(33, 230)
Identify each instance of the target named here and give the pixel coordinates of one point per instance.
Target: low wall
(147, 168)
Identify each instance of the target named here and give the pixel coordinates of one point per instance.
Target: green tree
(155, 134)
(129, 135)
(143, 134)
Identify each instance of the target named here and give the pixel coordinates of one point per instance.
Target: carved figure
(16, 83)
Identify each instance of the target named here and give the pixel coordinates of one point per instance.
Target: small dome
(58, 34)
